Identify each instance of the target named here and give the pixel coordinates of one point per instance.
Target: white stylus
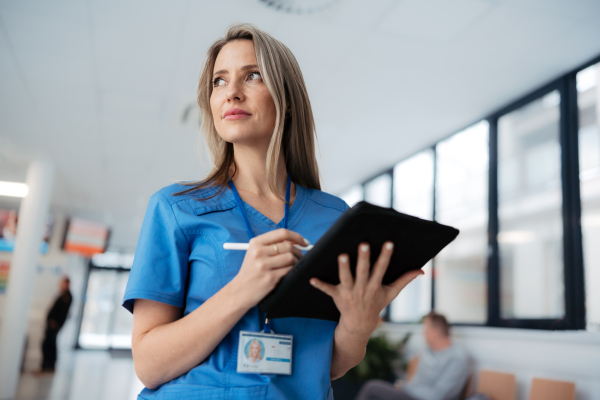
(245, 246)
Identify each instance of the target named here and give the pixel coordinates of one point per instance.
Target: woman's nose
(235, 91)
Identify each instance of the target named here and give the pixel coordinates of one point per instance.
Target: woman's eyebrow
(244, 68)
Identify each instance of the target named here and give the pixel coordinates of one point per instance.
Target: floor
(80, 374)
(84, 374)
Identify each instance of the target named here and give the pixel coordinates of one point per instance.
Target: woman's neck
(251, 172)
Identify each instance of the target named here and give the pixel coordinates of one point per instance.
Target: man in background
(54, 321)
(442, 373)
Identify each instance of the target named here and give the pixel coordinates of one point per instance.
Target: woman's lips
(236, 116)
(235, 113)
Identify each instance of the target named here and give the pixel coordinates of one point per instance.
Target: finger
(289, 247)
(362, 265)
(326, 288)
(281, 272)
(344, 268)
(281, 260)
(279, 235)
(400, 283)
(382, 263)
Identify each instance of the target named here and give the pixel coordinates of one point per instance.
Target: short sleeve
(160, 265)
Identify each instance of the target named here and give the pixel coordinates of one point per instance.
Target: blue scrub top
(180, 261)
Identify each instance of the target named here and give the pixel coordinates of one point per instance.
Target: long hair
(294, 132)
(259, 346)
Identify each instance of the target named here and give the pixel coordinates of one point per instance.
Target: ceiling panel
(67, 10)
(46, 35)
(434, 20)
(586, 11)
(354, 14)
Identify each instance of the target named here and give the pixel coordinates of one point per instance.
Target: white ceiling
(99, 87)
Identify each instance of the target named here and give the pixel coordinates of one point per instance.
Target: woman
(191, 297)
(254, 351)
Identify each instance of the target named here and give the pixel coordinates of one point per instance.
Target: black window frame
(574, 280)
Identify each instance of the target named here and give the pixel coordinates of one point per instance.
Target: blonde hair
(294, 131)
(261, 349)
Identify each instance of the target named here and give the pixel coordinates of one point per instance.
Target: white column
(32, 217)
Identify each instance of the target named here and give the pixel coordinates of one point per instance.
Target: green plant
(382, 360)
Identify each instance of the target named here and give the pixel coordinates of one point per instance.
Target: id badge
(264, 353)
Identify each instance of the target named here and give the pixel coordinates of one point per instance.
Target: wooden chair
(546, 389)
(497, 385)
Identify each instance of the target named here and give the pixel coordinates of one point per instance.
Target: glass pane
(588, 98)
(462, 202)
(379, 191)
(413, 195)
(105, 323)
(122, 326)
(529, 209)
(98, 309)
(353, 195)
(413, 185)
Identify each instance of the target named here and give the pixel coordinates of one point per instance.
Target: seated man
(442, 372)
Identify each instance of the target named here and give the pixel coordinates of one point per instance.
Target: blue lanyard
(238, 200)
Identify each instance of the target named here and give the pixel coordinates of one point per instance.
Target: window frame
(573, 261)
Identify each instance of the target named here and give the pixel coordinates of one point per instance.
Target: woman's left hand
(361, 300)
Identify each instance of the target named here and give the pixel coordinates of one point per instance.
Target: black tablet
(416, 241)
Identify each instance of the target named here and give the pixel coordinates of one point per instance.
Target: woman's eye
(218, 82)
(255, 75)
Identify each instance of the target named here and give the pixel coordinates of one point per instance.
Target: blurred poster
(85, 237)
(8, 231)
(4, 268)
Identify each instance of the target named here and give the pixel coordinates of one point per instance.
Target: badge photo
(264, 353)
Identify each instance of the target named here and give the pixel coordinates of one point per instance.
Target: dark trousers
(49, 348)
(381, 390)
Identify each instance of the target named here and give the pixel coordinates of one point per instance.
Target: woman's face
(242, 108)
(254, 350)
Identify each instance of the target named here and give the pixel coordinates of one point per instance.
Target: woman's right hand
(269, 257)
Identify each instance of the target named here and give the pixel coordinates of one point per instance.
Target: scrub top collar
(259, 218)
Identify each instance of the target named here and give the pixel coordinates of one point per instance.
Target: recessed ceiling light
(13, 189)
(299, 6)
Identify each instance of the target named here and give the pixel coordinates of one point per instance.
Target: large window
(530, 237)
(588, 98)
(462, 202)
(353, 195)
(523, 188)
(413, 195)
(379, 191)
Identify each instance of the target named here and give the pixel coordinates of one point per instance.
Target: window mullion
(573, 249)
(493, 267)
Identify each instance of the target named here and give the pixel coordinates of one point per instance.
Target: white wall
(570, 356)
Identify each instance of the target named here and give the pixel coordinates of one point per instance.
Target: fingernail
(389, 246)
(312, 282)
(344, 259)
(364, 248)
(306, 241)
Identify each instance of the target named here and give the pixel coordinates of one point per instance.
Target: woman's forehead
(235, 55)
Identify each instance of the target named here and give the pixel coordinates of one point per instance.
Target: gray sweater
(441, 375)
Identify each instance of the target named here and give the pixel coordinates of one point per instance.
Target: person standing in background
(54, 321)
